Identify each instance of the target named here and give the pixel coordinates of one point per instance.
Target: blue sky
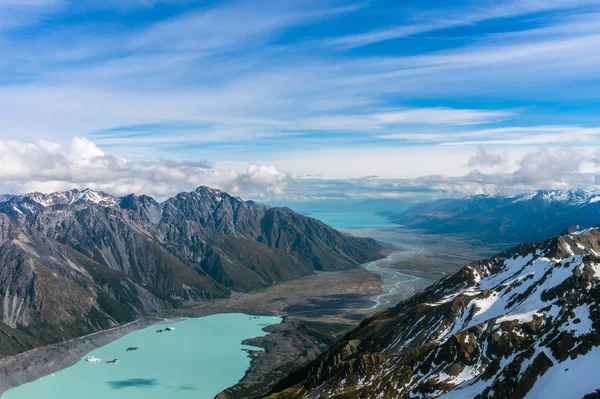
(300, 99)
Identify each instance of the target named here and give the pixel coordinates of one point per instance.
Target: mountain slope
(78, 261)
(525, 323)
(503, 219)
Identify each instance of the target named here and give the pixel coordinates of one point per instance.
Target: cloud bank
(40, 165)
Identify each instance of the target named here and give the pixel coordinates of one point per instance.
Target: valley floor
(297, 340)
(318, 310)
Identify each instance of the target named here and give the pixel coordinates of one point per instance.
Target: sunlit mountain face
(521, 324)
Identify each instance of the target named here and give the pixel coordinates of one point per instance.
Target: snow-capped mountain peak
(72, 197)
(96, 197)
(35, 202)
(571, 197)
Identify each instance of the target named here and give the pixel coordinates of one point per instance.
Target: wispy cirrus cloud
(161, 73)
(219, 28)
(535, 135)
(425, 116)
(447, 18)
(443, 116)
(16, 13)
(525, 135)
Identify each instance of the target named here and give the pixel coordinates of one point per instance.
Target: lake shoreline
(39, 362)
(139, 370)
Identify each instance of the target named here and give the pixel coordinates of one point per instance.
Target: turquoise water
(346, 214)
(202, 357)
(349, 219)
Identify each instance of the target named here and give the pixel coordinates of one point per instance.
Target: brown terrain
(318, 310)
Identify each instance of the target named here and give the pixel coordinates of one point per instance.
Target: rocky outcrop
(525, 322)
(78, 261)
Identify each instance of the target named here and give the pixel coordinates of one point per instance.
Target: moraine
(199, 359)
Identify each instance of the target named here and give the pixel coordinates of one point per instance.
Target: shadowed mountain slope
(78, 261)
(504, 219)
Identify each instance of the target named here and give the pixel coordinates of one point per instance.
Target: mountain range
(79, 261)
(522, 324)
(505, 219)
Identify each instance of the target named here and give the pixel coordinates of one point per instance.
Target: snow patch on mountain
(571, 197)
(72, 197)
(573, 378)
(36, 202)
(496, 328)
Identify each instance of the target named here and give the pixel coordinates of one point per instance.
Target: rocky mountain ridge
(505, 219)
(78, 261)
(523, 324)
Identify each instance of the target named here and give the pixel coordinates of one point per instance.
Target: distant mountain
(525, 323)
(77, 261)
(5, 197)
(501, 218)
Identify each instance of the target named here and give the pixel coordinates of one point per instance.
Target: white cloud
(594, 158)
(543, 166)
(482, 158)
(419, 137)
(445, 19)
(248, 88)
(436, 172)
(424, 116)
(443, 116)
(40, 165)
(16, 13)
(516, 135)
(267, 176)
(388, 162)
(494, 68)
(533, 135)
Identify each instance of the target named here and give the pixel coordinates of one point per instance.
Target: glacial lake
(345, 214)
(349, 219)
(204, 356)
(200, 358)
